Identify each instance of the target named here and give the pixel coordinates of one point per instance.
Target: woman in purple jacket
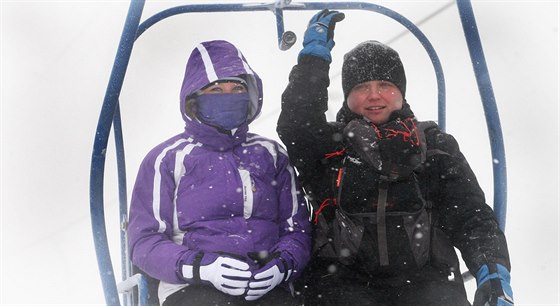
(217, 207)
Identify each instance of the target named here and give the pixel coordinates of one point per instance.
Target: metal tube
(490, 109)
(100, 148)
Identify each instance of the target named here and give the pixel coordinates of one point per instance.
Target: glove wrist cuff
(491, 271)
(196, 266)
(316, 50)
(285, 268)
(286, 265)
(192, 271)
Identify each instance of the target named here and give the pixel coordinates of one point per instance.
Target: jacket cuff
(315, 61)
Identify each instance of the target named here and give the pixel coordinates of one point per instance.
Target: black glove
(393, 149)
(318, 38)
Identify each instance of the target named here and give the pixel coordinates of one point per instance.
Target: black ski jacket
(458, 208)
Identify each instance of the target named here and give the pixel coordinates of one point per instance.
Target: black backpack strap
(381, 226)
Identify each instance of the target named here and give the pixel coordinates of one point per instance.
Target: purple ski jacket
(204, 190)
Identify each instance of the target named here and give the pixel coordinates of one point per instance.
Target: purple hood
(218, 59)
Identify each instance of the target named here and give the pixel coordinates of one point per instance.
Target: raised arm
(302, 124)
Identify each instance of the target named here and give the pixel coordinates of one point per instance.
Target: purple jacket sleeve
(151, 221)
(295, 226)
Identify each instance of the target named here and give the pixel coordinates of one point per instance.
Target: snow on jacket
(459, 207)
(204, 190)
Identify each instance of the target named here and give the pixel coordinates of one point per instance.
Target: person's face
(224, 88)
(375, 100)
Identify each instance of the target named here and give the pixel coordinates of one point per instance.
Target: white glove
(265, 279)
(231, 276)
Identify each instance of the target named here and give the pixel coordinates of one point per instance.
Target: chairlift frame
(110, 117)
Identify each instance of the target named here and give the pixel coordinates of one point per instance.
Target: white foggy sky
(56, 58)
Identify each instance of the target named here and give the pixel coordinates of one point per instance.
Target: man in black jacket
(392, 196)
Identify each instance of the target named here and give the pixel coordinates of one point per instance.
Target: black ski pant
(344, 286)
(207, 295)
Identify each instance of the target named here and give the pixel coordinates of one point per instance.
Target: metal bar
(126, 287)
(490, 109)
(198, 8)
(279, 25)
(126, 266)
(143, 291)
(100, 147)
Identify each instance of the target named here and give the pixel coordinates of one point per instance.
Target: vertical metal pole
(100, 148)
(126, 265)
(490, 109)
(143, 291)
(279, 25)
(285, 39)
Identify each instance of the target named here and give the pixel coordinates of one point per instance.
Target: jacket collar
(211, 138)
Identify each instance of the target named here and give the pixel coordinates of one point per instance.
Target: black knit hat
(372, 60)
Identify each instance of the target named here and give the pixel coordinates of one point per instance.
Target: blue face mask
(227, 111)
